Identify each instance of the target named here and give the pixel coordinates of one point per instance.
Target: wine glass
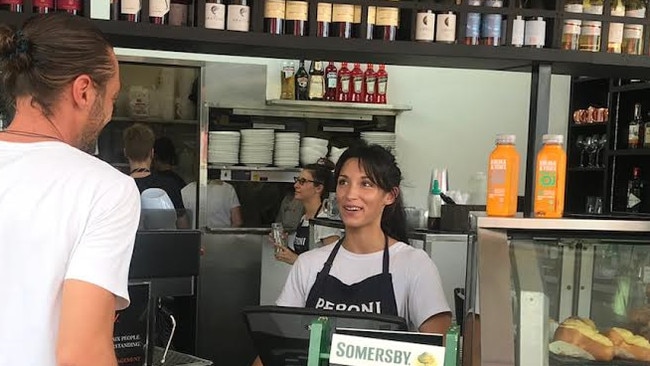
(600, 156)
(581, 143)
(591, 145)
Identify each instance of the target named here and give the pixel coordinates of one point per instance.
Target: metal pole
(538, 121)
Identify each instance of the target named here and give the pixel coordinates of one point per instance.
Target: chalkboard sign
(131, 324)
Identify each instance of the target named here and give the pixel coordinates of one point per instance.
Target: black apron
(373, 295)
(301, 241)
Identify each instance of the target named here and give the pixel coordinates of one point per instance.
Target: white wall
(456, 115)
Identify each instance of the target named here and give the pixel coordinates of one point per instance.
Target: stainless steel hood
(242, 88)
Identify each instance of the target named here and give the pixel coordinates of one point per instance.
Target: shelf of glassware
(269, 174)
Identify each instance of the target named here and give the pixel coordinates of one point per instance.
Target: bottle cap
(552, 139)
(436, 188)
(506, 139)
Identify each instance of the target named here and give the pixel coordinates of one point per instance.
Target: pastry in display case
(577, 291)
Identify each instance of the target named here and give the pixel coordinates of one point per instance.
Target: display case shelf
(586, 169)
(255, 174)
(155, 120)
(630, 152)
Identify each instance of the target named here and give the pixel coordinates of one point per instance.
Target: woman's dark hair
(322, 174)
(381, 168)
(48, 53)
(164, 150)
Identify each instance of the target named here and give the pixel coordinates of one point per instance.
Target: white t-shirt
(416, 281)
(63, 215)
(222, 198)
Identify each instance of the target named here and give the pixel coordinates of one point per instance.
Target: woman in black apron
(311, 187)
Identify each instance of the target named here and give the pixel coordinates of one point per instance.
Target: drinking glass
(600, 156)
(277, 232)
(591, 147)
(580, 143)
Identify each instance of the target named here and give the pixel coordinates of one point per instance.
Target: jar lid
(506, 139)
(552, 139)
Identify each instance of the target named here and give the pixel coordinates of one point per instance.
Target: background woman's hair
(48, 53)
(380, 166)
(138, 142)
(321, 172)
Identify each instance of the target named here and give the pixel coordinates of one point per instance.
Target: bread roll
(629, 346)
(579, 338)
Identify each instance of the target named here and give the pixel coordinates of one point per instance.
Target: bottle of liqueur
(215, 14)
(370, 84)
(45, 6)
(635, 191)
(646, 133)
(288, 81)
(446, 27)
(571, 27)
(296, 17)
(425, 25)
(74, 7)
(386, 23)
(323, 19)
(344, 83)
(382, 85)
(130, 10)
(159, 11)
(473, 26)
(535, 32)
(518, 31)
(178, 12)
(615, 38)
(114, 9)
(634, 129)
(302, 82)
(491, 25)
(274, 11)
(342, 19)
(633, 33)
(356, 75)
(331, 80)
(316, 81)
(15, 6)
(239, 14)
(591, 29)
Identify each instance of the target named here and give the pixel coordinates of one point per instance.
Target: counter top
(562, 224)
(418, 234)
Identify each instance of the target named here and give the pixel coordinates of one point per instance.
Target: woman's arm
(235, 217)
(438, 324)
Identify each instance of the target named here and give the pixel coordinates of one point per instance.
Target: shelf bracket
(538, 122)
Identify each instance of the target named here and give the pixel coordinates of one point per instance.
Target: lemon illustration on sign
(425, 359)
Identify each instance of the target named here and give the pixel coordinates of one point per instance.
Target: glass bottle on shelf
(159, 11)
(178, 12)
(316, 81)
(342, 19)
(535, 30)
(323, 19)
(15, 6)
(386, 23)
(369, 84)
(590, 30)
(215, 14)
(274, 11)
(370, 22)
(45, 6)
(615, 37)
(302, 82)
(633, 33)
(239, 14)
(113, 8)
(635, 191)
(518, 31)
(131, 10)
(74, 7)
(425, 25)
(646, 132)
(634, 129)
(296, 16)
(382, 85)
(571, 27)
(491, 25)
(446, 27)
(473, 26)
(344, 81)
(356, 75)
(288, 81)
(331, 79)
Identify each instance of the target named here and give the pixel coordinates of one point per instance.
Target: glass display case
(558, 292)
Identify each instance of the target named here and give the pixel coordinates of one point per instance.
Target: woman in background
(311, 187)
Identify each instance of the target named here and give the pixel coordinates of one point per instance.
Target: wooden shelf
(255, 44)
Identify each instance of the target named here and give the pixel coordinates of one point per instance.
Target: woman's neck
(364, 240)
(311, 207)
(142, 167)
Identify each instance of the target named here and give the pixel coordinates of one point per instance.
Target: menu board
(131, 325)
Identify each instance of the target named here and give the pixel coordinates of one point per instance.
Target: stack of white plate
(223, 147)
(385, 139)
(257, 147)
(335, 153)
(287, 149)
(312, 149)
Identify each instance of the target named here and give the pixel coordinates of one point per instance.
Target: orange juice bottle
(550, 175)
(503, 178)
